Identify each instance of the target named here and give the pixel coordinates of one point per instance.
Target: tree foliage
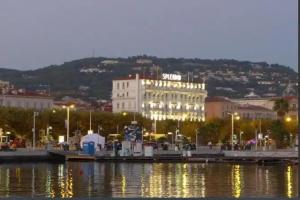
(281, 106)
(20, 122)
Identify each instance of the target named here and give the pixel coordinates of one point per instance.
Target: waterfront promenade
(200, 155)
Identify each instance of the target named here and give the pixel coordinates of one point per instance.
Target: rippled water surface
(93, 179)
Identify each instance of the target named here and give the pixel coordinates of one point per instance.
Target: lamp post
(197, 130)
(288, 120)
(8, 136)
(68, 120)
(49, 128)
(35, 114)
(232, 126)
(1, 132)
(241, 133)
(172, 140)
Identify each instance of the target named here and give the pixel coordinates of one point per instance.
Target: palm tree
(281, 106)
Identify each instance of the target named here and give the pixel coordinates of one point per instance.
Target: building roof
(289, 98)
(27, 94)
(252, 107)
(217, 99)
(132, 77)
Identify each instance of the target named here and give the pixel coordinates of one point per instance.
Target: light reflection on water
(90, 179)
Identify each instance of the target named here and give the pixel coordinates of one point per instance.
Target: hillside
(92, 77)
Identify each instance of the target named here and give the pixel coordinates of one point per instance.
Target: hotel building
(167, 97)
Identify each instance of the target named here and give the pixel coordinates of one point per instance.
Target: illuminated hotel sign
(173, 77)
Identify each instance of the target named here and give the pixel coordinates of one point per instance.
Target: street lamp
(197, 131)
(289, 119)
(241, 133)
(68, 119)
(170, 133)
(35, 114)
(237, 117)
(49, 128)
(8, 134)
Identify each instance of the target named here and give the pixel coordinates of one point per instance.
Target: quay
(199, 156)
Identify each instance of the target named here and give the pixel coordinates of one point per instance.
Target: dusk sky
(35, 33)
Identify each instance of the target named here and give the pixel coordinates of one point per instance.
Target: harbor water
(95, 179)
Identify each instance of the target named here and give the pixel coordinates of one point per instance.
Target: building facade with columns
(166, 97)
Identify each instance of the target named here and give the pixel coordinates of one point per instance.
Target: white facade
(263, 102)
(26, 102)
(166, 98)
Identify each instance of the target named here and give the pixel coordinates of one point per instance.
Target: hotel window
(123, 85)
(127, 84)
(118, 85)
(118, 105)
(123, 104)
(127, 94)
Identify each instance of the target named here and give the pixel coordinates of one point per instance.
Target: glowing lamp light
(288, 119)
(61, 139)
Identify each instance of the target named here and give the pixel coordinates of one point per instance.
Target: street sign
(260, 136)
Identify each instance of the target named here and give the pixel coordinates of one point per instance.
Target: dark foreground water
(92, 179)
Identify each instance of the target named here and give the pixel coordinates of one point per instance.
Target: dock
(199, 156)
(72, 155)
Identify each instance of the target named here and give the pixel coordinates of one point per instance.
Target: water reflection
(91, 179)
(289, 182)
(236, 180)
